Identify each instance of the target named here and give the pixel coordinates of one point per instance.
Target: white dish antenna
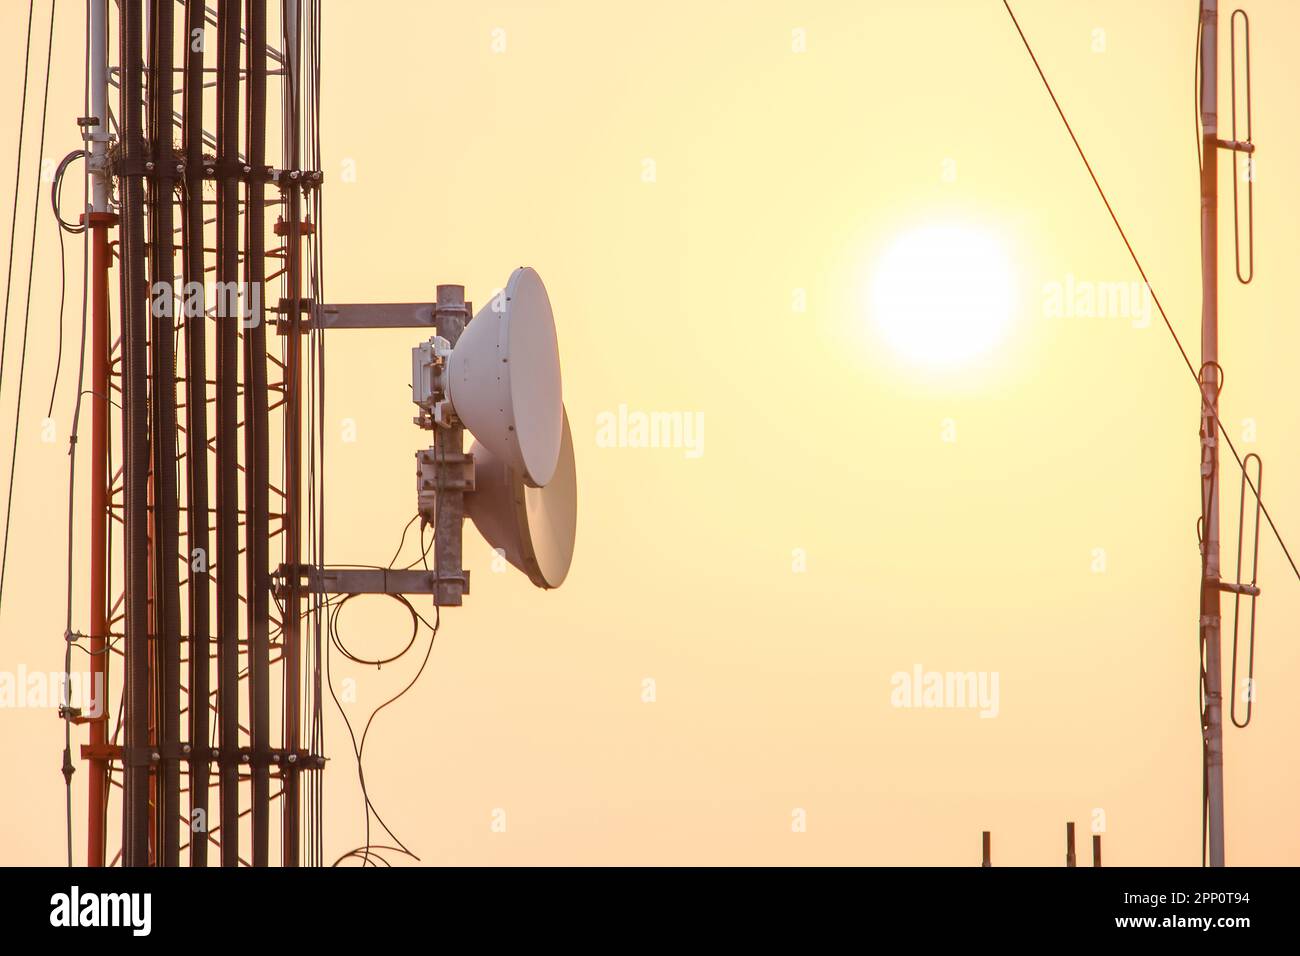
(503, 379)
(534, 528)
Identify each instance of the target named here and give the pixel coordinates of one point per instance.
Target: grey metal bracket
(457, 475)
(378, 315)
(345, 580)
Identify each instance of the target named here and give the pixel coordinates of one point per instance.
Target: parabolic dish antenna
(535, 528)
(503, 379)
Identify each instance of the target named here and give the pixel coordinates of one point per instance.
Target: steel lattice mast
(162, 626)
(171, 707)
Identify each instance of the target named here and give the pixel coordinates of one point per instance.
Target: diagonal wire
(27, 310)
(1154, 298)
(18, 172)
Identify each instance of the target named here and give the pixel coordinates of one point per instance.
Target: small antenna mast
(1212, 708)
(1211, 381)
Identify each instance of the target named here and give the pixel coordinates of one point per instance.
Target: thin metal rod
(137, 757)
(196, 440)
(227, 368)
(256, 447)
(292, 228)
(166, 605)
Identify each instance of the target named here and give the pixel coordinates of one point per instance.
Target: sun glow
(943, 295)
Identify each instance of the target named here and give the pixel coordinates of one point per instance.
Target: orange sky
(850, 516)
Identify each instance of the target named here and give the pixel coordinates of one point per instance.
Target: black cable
(402, 542)
(317, 608)
(1154, 298)
(424, 550)
(318, 340)
(365, 852)
(13, 232)
(337, 641)
(1211, 412)
(56, 192)
(358, 746)
(58, 358)
(424, 546)
(18, 173)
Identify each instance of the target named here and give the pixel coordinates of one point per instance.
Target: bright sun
(943, 295)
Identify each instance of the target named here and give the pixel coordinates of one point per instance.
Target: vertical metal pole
(155, 802)
(162, 179)
(99, 220)
(99, 502)
(256, 447)
(135, 440)
(196, 435)
(450, 317)
(227, 368)
(291, 156)
(1070, 859)
(1210, 617)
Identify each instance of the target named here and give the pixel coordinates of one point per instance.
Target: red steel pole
(99, 224)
